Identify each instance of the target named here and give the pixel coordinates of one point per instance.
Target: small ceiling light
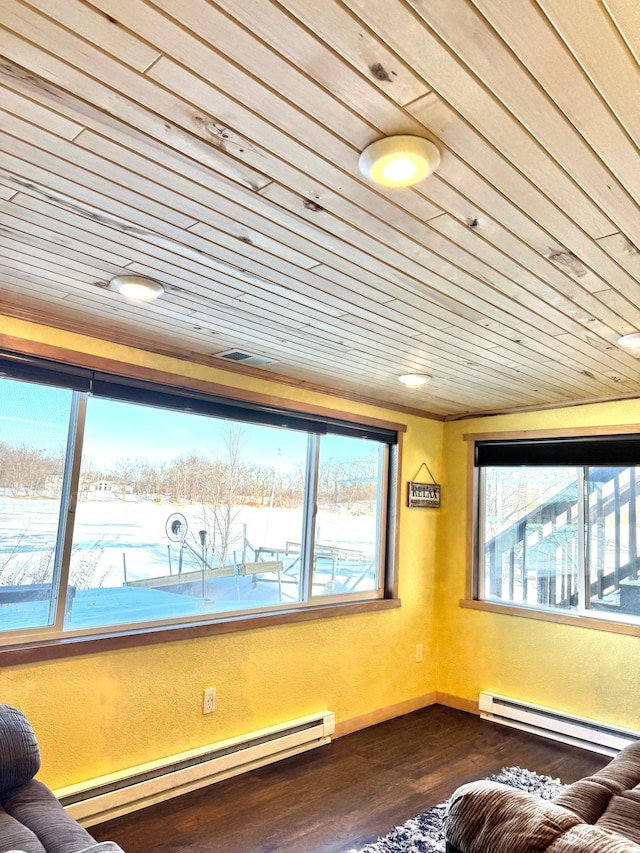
(632, 341)
(137, 287)
(399, 161)
(414, 380)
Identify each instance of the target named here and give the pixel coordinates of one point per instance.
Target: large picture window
(124, 504)
(558, 524)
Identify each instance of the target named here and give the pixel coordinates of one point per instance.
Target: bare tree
(221, 508)
(24, 469)
(122, 472)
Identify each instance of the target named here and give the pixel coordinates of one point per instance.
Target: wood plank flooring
(347, 794)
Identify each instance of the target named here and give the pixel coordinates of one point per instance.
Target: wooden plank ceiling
(213, 146)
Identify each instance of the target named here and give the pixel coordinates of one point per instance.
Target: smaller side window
(560, 536)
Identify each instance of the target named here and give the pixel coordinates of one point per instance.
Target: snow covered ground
(119, 541)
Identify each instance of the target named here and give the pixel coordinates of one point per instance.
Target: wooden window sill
(582, 620)
(64, 647)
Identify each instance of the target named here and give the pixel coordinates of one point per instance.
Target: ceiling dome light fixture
(137, 287)
(399, 161)
(632, 341)
(414, 380)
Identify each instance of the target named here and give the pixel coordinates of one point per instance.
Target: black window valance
(605, 450)
(111, 386)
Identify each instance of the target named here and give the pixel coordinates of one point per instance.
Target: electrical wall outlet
(418, 652)
(209, 700)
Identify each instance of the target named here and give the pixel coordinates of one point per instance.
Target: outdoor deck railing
(535, 560)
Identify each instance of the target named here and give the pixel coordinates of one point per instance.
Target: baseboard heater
(110, 796)
(587, 734)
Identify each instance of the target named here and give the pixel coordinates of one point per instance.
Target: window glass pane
(530, 545)
(346, 547)
(181, 515)
(34, 424)
(612, 540)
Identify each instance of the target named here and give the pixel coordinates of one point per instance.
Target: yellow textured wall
(590, 673)
(101, 713)
(97, 714)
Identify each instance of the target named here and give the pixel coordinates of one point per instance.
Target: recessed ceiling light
(399, 161)
(632, 341)
(414, 380)
(137, 287)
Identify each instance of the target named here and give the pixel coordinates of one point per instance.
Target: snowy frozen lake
(127, 541)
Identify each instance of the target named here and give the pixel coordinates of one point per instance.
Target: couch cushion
(623, 815)
(585, 838)
(488, 817)
(588, 798)
(15, 836)
(35, 806)
(610, 797)
(624, 769)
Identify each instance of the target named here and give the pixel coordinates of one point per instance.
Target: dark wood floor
(346, 794)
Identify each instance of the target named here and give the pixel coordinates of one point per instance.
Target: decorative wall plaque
(423, 494)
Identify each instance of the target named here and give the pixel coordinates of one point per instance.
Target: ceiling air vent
(241, 357)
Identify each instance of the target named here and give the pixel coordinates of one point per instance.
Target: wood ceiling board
(23, 257)
(207, 207)
(520, 208)
(278, 80)
(26, 232)
(592, 33)
(287, 159)
(38, 115)
(512, 72)
(300, 45)
(162, 136)
(144, 247)
(58, 175)
(240, 64)
(48, 269)
(577, 304)
(353, 40)
(435, 264)
(70, 46)
(99, 30)
(199, 228)
(406, 354)
(624, 13)
(172, 234)
(514, 251)
(139, 340)
(507, 80)
(58, 231)
(624, 252)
